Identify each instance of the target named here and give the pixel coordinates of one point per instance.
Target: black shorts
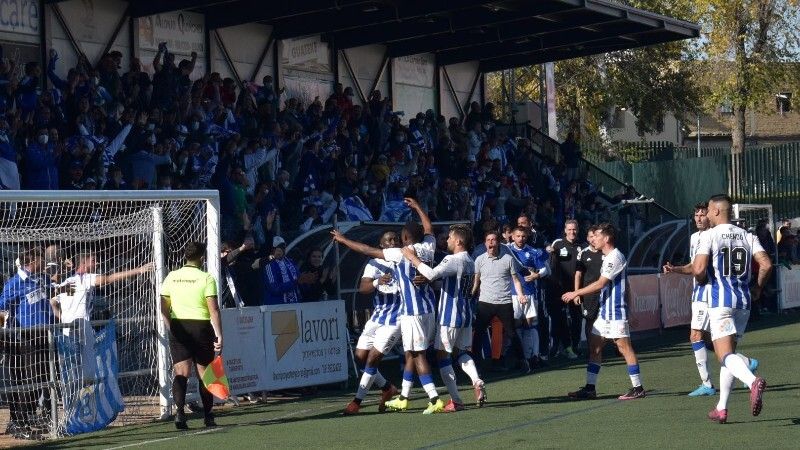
(590, 308)
(192, 339)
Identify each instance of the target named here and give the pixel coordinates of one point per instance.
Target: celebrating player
(381, 331)
(417, 319)
(613, 320)
(455, 312)
(700, 324)
(534, 264)
(724, 259)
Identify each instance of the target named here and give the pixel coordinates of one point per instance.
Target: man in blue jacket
(26, 308)
(41, 163)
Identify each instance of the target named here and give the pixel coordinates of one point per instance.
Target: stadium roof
(499, 34)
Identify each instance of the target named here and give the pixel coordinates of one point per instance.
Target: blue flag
(355, 210)
(395, 211)
(91, 400)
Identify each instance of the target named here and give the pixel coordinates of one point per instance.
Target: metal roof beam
(148, 8)
(247, 11)
(549, 41)
(455, 21)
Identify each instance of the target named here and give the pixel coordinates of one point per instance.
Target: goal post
(103, 355)
(749, 216)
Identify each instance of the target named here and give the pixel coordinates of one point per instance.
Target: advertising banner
(676, 299)
(20, 17)
(306, 53)
(183, 31)
(644, 302)
(790, 287)
(305, 344)
(416, 70)
(245, 361)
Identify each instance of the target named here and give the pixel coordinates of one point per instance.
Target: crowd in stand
(279, 164)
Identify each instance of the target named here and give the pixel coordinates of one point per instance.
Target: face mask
(285, 184)
(151, 126)
(195, 125)
(181, 138)
(95, 81)
(43, 139)
(497, 184)
(401, 139)
(152, 139)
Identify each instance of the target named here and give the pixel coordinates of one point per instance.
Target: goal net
(83, 345)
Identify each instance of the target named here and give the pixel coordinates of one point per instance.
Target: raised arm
(117, 276)
(364, 249)
(427, 226)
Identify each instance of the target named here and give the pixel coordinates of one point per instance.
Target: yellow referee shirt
(187, 289)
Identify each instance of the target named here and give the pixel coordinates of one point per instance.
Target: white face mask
(43, 139)
(152, 139)
(195, 125)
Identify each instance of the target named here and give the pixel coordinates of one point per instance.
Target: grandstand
(302, 116)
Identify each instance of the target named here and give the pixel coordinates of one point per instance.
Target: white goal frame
(212, 223)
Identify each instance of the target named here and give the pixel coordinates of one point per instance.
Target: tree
(746, 43)
(650, 81)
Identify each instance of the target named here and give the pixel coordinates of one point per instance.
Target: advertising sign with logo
(416, 70)
(790, 287)
(20, 16)
(183, 32)
(676, 299)
(245, 361)
(306, 53)
(305, 344)
(644, 302)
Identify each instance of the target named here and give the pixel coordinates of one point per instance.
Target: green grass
(528, 411)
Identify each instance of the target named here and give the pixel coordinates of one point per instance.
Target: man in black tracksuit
(587, 271)
(563, 259)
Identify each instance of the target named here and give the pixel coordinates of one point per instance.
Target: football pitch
(524, 411)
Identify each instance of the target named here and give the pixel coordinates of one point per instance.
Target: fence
(633, 152)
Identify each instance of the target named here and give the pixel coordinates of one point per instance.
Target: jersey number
(734, 261)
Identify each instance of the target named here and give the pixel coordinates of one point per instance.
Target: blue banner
(89, 371)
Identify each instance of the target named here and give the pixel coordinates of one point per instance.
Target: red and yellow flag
(215, 380)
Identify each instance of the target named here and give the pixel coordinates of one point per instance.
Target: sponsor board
(644, 302)
(676, 299)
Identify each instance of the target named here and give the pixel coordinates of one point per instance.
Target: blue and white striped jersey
(417, 300)
(457, 273)
(386, 303)
(700, 292)
(730, 250)
(612, 296)
(532, 260)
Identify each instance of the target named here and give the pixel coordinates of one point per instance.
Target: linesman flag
(215, 380)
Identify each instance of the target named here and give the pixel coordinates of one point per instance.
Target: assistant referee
(190, 311)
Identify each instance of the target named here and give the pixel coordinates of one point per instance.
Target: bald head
(719, 209)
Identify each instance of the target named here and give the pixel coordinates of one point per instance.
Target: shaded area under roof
(500, 34)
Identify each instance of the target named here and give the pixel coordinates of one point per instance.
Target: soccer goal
(748, 217)
(88, 347)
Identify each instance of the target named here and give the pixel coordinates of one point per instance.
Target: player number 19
(734, 261)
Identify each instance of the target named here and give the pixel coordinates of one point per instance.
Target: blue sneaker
(703, 390)
(753, 367)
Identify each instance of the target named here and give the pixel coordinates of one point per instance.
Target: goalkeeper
(191, 314)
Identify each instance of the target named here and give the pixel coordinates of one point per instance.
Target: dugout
(422, 54)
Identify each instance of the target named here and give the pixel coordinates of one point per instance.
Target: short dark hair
(608, 230)
(27, 256)
(720, 198)
(414, 230)
(462, 232)
(194, 251)
(701, 206)
(593, 228)
(522, 229)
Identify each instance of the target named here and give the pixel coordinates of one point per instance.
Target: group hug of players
(401, 274)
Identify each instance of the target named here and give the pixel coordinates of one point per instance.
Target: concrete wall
(366, 63)
(462, 76)
(244, 44)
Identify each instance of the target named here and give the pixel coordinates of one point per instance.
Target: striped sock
(408, 383)
(701, 358)
(426, 380)
(449, 379)
(633, 372)
(592, 370)
(366, 383)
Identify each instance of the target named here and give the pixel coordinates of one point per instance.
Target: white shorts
(526, 311)
(451, 338)
(700, 319)
(611, 329)
(380, 337)
(727, 321)
(417, 331)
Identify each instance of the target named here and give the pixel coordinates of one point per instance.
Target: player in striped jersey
(417, 318)
(724, 259)
(700, 324)
(381, 331)
(455, 312)
(612, 322)
(535, 265)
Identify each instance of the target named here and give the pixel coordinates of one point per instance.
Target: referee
(190, 311)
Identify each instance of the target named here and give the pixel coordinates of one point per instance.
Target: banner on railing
(644, 295)
(285, 346)
(790, 287)
(676, 299)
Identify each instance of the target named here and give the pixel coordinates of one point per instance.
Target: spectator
(280, 276)
(571, 155)
(316, 280)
